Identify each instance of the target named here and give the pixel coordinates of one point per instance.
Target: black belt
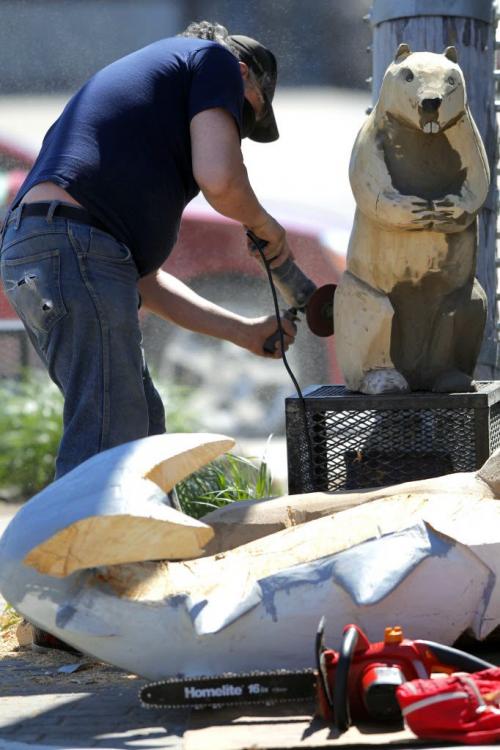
(63, 211)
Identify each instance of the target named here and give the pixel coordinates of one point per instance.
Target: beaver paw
(385, 380)
(453, 381)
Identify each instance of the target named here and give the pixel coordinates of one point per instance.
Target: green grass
(30, 431)
(226, 480)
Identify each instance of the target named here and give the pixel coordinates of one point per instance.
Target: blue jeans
(75, 289)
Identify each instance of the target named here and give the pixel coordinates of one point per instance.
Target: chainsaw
(301, 294)
(356, 683)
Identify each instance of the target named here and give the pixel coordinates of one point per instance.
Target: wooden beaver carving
(409, 314)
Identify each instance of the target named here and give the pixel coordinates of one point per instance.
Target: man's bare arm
(220, 172)
(168, 297)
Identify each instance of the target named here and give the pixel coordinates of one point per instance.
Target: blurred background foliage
(30, 430)
(31, 410)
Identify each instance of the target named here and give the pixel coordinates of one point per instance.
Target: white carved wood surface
(425, 556)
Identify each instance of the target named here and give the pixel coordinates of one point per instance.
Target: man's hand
(258, 330)
(277, 249)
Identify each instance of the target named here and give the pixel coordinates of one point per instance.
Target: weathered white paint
(427, 559)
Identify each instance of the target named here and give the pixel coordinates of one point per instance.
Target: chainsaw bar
(230, 690)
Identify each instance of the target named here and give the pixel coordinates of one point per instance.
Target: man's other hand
(258, 330)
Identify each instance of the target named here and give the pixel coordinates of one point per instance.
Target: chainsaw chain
(225, 675)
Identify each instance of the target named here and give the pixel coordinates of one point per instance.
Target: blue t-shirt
(122, 147)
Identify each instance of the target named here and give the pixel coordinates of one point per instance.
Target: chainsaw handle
(341, 712)
(448, 656)
(322, 668)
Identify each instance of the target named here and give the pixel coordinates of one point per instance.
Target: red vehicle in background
(14, 163)
(232, 390)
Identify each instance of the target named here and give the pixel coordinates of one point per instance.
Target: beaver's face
(424, 89)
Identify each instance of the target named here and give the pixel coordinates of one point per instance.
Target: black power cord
(260, 244)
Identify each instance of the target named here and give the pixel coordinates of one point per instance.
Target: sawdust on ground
(22, 666)
(17, 659)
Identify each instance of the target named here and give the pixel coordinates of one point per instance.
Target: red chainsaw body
(382, 665)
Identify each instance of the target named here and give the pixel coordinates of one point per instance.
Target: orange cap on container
(393, 634)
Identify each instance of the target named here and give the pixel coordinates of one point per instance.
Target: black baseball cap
(263, 63)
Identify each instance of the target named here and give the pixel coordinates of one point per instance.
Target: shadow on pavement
(40, 707)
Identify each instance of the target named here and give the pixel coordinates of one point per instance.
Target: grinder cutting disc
(319, 310)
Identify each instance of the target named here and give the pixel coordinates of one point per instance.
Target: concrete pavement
(103, 716)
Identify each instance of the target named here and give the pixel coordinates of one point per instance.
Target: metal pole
(470, 26)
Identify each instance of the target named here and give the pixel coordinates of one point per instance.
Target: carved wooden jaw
(424, 90)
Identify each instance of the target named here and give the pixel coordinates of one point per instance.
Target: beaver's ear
(451, 53)
(402, 53)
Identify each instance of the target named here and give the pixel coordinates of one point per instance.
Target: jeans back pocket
(32, 285)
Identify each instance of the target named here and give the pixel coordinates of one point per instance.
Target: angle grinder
(302, 295)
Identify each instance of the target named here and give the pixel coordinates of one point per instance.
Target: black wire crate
(340, 440)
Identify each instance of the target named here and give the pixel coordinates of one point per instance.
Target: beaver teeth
(431, 127)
